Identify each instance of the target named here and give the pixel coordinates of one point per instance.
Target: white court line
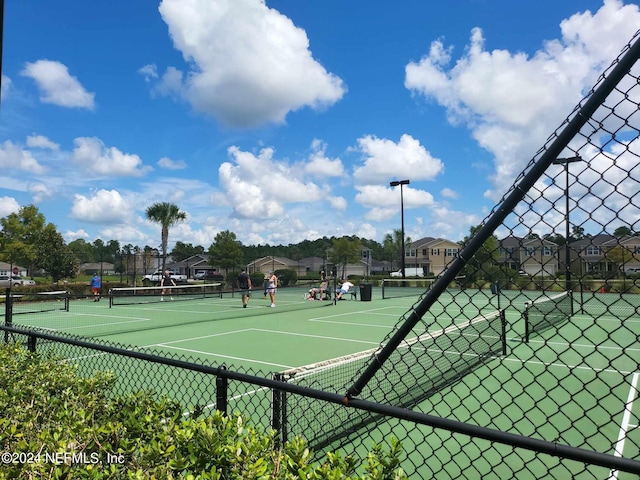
(585, 345)
(224, 356)
(567, 366)
(624, 427)
(201, 337)
(340, 339)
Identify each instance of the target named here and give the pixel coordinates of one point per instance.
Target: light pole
(395, 184)
(567, 250)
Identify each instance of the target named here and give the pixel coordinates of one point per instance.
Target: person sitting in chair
(344, 288)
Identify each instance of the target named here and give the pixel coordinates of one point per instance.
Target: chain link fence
(520, 361)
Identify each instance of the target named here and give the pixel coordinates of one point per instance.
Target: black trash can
(494, 288)
(365, 292)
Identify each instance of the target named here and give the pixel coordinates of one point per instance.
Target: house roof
(96, 266)
(596, 240)
(9, 266)
(274, 260)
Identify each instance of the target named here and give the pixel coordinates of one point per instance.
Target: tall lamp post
(567, 250)
(395, 184)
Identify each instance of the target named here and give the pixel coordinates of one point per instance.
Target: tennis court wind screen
(420, 367)
(546, 312)
(145, 308)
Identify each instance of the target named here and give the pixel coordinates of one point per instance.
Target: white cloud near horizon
(8, 205)
(104, 206)
(259, 186)
(248, 63)
(57, 86)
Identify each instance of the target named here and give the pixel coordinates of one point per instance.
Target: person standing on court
(244, 285)
(96, 285)
(271, 287)
(166, 281)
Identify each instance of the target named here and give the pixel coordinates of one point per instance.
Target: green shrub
(286, 277)
(80, 429)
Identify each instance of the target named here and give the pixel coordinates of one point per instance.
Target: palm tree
(166, 214)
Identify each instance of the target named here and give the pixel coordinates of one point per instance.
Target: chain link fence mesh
(531, 333)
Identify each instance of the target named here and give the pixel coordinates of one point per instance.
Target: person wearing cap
(244, 285)
(271, 287)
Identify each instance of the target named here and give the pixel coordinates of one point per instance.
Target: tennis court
(516, 392)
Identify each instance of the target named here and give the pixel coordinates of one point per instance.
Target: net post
(8, 307)
(8, 304)
(278, 415)
(503, 322)
(525, 315)
(222, 391)
(67, 300)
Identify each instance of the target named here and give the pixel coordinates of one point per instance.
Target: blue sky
(286, 120)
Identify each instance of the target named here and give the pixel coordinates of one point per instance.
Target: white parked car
(14, 280)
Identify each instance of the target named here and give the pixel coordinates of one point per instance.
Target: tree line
(27, 239)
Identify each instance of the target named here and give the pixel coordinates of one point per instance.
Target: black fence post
(222, 391)
(278, 418)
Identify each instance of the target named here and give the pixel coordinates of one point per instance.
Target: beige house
(266, 264)
(431, 254)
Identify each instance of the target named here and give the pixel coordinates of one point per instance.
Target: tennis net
(545, 312)
(399, 287)
(137, 295)
(419, 368)
(34, 303)
(128, 312)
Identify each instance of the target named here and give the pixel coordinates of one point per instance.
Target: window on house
(530, 251)
(547, 251)
(451, 252)
(435, 251)
(424, 252)
(593, 250)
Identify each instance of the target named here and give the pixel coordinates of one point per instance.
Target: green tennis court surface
(299, 332)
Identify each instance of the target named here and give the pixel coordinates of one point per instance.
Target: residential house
(431, 254)
(534, 256)
(632, 246)
(12, 269)
(266, 264)
(509, 252)
(588, 255)
(194, 264)
(539, 257)
(101, 268)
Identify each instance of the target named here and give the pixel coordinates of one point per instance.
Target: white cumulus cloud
(248, 63)
(93, 155)
(386, 159)
(104, 206)
(57, 86)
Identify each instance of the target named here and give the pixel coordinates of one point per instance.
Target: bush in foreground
(56, 424)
